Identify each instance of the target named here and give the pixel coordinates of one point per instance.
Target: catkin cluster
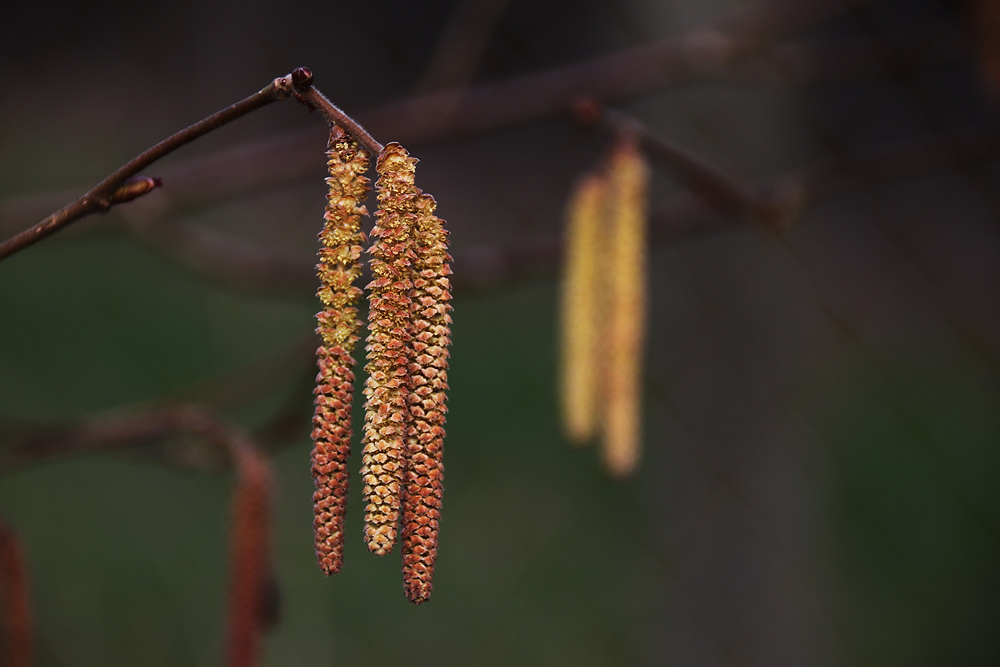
(338, 269)
(408, 337)
(603, 308)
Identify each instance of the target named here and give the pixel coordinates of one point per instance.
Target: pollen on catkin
(582, 305)
(389, 351)
(338, 269)
(626, 295)
(431, 335)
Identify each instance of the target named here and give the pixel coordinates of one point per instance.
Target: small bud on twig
(134, 188)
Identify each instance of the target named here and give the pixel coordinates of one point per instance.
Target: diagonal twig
(106, 194)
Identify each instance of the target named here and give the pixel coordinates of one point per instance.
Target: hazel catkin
(428, 374)
(338, 269)
(389, 352)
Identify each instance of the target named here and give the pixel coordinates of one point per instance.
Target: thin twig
(119, 433)
(460, 50)
(103, 196)
(335, 116)
(225, 258)
(705, 181)
(305, 92)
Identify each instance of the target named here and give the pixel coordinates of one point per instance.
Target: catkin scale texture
(389, 351)
(338, 270)
(431, 335)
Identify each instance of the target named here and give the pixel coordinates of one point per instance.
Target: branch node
(283, 87)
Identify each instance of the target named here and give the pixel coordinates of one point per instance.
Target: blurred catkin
(581, 307)
(389, 351)
(338, 270)
(17, 634)
(249, 560)
(431, 335)
(626, 304)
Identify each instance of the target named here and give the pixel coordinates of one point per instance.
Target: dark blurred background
(821, 406)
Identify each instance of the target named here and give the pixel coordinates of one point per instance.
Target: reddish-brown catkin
(249, 559)
(17, 637)
(389, 326)
(431, 336)
(582, 307)
(338, 269)
(626, 295)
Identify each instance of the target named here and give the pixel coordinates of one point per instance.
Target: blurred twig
(697, 54)
(669, 62)
(710, 185)
(720, 205)
(461, 47)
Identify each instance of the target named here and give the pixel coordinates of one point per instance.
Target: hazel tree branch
(250, 595)
(118, 188)
(309, 95)
(699, 53)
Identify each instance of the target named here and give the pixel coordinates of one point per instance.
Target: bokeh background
(822, 406)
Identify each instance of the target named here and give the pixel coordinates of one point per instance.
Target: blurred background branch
(821, 398)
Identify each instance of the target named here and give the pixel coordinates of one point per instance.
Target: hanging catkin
(582, 305)
(249, 558)
(626, 299)
(338, 270)
(431, 336)
(389, 351)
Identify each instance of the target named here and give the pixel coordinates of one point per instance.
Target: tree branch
(107, 193)
(697, 54)
(309, 95)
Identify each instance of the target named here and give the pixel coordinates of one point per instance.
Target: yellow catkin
(431, 335)
(338, 269)
(582, 318)
(389, 324)
(626, 303)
